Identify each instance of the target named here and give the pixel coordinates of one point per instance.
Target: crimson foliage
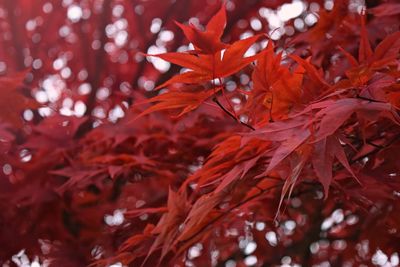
(271, 139)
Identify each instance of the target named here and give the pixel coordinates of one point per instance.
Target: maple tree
(263, 138)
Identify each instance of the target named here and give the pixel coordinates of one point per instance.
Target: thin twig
(227, 100)
(376, 150)
(231, 115)
(369, 99)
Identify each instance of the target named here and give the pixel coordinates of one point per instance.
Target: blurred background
(85, 59)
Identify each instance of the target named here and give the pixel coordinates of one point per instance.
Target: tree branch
(100, 56)
(11, 6)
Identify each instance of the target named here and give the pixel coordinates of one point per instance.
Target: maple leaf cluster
(255, 148)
